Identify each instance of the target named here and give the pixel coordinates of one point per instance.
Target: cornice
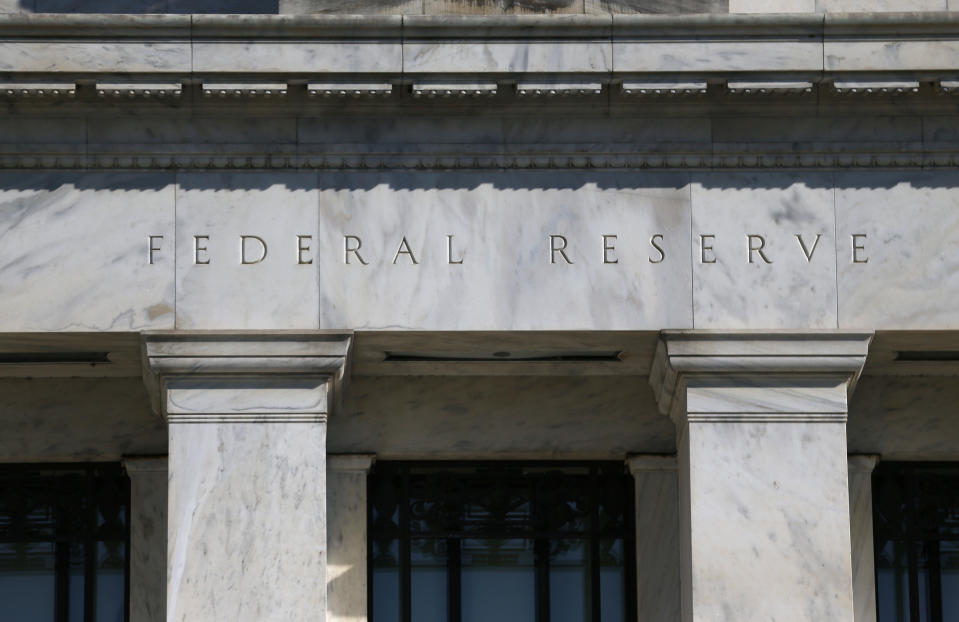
(679, 160)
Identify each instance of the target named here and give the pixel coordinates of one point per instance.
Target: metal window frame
(90, 472)
(541, 539)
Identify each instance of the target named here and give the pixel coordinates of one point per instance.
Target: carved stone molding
(267, 377)
(780, 368)
(665, 160)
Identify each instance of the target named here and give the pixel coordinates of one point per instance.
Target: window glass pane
(77, 568)
(568, 581)
(27, 580)
(110, 581)
(386, 581)
(611, 580)
(892, 583)
(498, 580)
(428, 582)
(949, 567)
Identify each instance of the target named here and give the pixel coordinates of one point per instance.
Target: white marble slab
(74, 251)
(797, 54)
(281, 290)
(867, 6)
(501, 227)
(120, 56)
(349, 56)
(860, 529)
(772, 6)
(520, 417)
(797, 288)
(887, 56)
(771, 501)
(526, 56)
(247, 522)
(907, 273)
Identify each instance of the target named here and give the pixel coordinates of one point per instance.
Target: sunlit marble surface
(74, 251)
(346, 513)
(498, 269)
(279, 291)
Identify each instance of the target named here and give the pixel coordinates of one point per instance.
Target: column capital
(863, 463)
(752, 358)
(258, 363)
(145, 464)
(350, 463)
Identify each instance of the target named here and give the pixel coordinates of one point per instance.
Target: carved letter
(662, 253)
(400, 251)
(757, 249)
(301, 248)
(606, 248)
(808, 251)
(703, 248)
(197, 249)
(553, 248)
(153, 248)
(243, 239)
(347, 249)
(856, 247)
(449, 252)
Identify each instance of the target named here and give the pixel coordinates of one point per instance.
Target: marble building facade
(250, 256)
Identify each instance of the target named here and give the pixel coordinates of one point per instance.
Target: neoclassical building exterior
(545, 310)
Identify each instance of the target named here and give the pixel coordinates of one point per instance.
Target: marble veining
(73, 251)
(148, 537)
(279, 287)
(247, 523)
(793, 282)
(501, 268)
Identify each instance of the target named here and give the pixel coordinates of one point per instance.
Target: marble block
(771, 501)
(76, 251)
(860, 528)
(772, 6)
(764, 485)
(494, 56)
(89, 56)
(908, 227)
(148, 537)
(247, 523)
(930, 54)
(281, 290)
(388, 261)
(796, 53)
(792, 282)
(346, 512)
(657, 536)
(251, 57)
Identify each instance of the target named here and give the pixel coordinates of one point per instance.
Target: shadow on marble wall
(367, 7)
(149, 6)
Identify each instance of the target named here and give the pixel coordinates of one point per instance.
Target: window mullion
(594, 589)
(454, 580)
(406, 602)
(541, 552)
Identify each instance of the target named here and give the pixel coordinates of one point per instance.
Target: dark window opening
(916, 530)
(522, 541)
(64, 542)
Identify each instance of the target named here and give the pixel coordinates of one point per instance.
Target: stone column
(761, 439)
(148, 527)
(247, 462)
(657, 537)
(346, 536)
(860, 528)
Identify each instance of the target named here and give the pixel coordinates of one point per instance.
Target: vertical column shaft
(148, 537)
(346, 587)
(765, 531)
(860, 517)
(247, 462)
(657, 537)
